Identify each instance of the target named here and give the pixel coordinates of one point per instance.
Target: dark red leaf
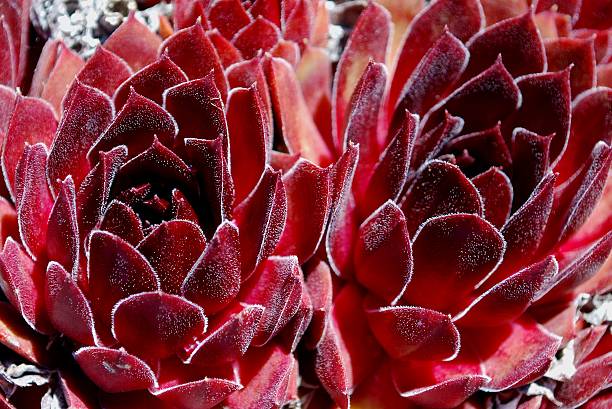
(563, 52)
(308, 202)
(298, 130)
(114, 370)
(496, 192)
(439, 188)
(228, 54)
(530, 152)
(68, 155)
(172, 248)
(482, 101)
(23, 130)
(319, 286)
(135, 126)
(488, 148)
(433, 78)
(116, 270)
(383, 255)
(206, 393)
(105, 71)
(121, 220)
(63, 243)
(191, 50)
(462, 18)
(248, 145)
(261, 220)
(259, 34)
(134, 42)
(229, 336)
(68, 309)
(151, 81)
(508, 299)
(452, 255)
(155, 324)
(276, 285)
(214, 280)
(545, 108)
(368, 41)
(34, 200)
(518, 42)
(228, 16)
(427, 334)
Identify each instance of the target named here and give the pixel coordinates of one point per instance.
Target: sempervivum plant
(457, 239)
(185, 219)
(143, 227)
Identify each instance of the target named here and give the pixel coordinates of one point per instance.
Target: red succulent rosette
(142, 221)
(219, 216)
(460, 235)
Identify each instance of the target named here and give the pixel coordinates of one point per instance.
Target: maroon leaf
(94, 193)
(530, 152)
(488, 148)
(191, 50)
(248, 145)
(23, 284)
(462, 18)
(206, 393)
(299, 21)
(56, 69)
(276, 285)
(63, 230)
(590, 111)
(180, 208)
(34, 200)
(214, 280)
(482, 101)
(452, 255)
(348, 352)
(266, 374)
(343, 223)
(261, 220)
(308, 196)
(391, 172)
(155, 324)
(229, 336)
(114, 370)
(135, 126)
(383, 256)
(439, 384)
(508, 299)
(429, 145)
(105, 71)
(134, 42)
(228, 54)
(427, 334)
(121, 220)
(515, 352)
(201, 97)
(523, 231)
(549, 95)
(228, 16)
(319, 286)
(363, 123)
(8, 72)
(172, 248)
(588, 380)
(23, 131)
(259, 34)
(518, 42)
(209, 161)
(433, 78)
(298, 129)
(116, 270)
(295, 329)
(151, 81)
(68, 155)
(68, 309)
(365, 44)
(439, 188)
(496, 192)
(563, 52)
